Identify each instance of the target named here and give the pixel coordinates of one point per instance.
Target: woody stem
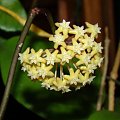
(6, 94)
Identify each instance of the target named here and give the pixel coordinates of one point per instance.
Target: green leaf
(117, 103)
(75, 105)
(2, 40)
(7, 22)
(105, 115)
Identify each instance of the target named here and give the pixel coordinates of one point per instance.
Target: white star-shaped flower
(86, 59)
(44, 71)
(83, 59)
(51, 58)
(61, 85)
(78, 31)
(35, 57)
(97, 60)
(63, 27)
(89, 80)
(25, 67)
(76, 47)
(58, 39)
(63, 24)
(87, 41)
(33, 73)
(73, 77)
(65, 56)
(100, 61)
(88, 68)
(93, 29)
(47, 83)
(99, 47)
(23, 57)
(86, 78)
(91, 68)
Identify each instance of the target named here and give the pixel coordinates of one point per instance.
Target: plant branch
(113, 75)
(51, 22)
(101, 90)
(6, 95)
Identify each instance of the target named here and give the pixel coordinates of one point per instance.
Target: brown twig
(101, 90)
(6, 95)
(113, 75)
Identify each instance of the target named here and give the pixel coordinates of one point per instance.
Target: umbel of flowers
(72, 61)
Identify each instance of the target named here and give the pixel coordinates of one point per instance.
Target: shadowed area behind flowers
(67, 106)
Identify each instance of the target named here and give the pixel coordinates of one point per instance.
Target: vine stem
(26, 28)
(114, 75)
(102, 85)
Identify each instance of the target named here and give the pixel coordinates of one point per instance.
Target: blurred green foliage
(8, 23)
(51, 105)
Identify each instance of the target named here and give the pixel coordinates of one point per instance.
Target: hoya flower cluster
(72, 61)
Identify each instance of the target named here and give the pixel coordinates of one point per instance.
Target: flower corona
(70, 63)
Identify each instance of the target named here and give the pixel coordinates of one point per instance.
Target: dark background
(16, 111)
